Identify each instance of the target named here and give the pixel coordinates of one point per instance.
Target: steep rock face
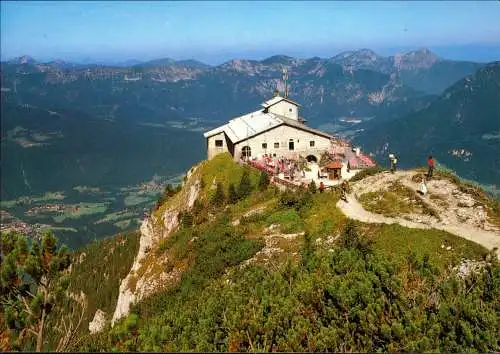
(98, 322)
(148, 274)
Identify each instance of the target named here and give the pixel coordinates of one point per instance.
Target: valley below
(83, 214)
(87, 149)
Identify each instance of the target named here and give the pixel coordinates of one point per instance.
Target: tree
(187, 219)
(219, 197)
(312, 187)
(232, 195)
(352, 238)
(32, 284)
(263, 181)
(168, 192)
(245, 187)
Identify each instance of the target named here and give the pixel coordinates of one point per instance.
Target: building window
(290, 110)
(276, 145)
(218, 143)
(246, 151)
(264, 145)
(311, 143)
(291, 145)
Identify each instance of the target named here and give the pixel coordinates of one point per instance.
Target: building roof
(257, 122)
(278, 99)
(334, 164)
(246, 126)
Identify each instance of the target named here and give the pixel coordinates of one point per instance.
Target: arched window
(246, 151)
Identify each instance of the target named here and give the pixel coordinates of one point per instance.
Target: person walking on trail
(394, 162)
(430, 163)
(321, 187)
(344, 189)
(423, 187)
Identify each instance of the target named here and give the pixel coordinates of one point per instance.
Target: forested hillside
(259, 269)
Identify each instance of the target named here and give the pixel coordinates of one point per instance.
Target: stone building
(276, 130)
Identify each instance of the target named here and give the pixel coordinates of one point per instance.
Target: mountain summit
(417, 59)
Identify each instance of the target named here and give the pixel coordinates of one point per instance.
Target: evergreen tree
(245, 187)
(232, 194)
(263, 181)
(219, 197)
(312, 187)
(187, 219)
(352, 238)
(32, 285)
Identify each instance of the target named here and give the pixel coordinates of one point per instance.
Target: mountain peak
(416, 59)
(193, 63)
(359, 53)
(422, 53)
(25, 59)
(158, 62)
(277, 59)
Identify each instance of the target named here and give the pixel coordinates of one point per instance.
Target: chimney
(276, 92)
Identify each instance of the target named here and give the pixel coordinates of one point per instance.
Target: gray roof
(257, 122)
(277, 99)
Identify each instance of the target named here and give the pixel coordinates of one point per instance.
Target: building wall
(282, 135)
(286, 109)
(212, 149)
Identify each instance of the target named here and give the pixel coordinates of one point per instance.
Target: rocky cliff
(148, 274)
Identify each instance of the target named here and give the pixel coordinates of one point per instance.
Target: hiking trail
(459, 213)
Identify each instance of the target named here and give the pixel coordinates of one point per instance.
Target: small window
(276, 145)
(311, 143)
(218, 143)
(290, 110)
(264, 145)
(274, 155)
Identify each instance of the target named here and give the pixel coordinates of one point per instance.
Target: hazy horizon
(215, 32)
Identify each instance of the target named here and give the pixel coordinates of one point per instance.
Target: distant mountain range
(352, 84)
(189, 96)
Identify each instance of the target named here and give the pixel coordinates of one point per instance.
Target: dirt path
(456, 218)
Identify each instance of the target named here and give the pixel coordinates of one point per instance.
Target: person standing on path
(430, 163)
(394, 161)
(344, 189)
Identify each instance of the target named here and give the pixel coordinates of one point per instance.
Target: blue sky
(218, 31)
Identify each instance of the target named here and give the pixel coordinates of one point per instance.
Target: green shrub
(219, 197)
(312, 187)
(187, 219)
(367, 172)
(352, 238)
(232, 195)
(263, 181)
(168, 192)
(245, 186)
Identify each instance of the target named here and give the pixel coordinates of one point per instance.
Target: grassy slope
(209, 253)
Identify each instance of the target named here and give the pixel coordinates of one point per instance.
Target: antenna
(285, 81)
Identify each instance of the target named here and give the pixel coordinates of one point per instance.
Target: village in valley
(276, 140)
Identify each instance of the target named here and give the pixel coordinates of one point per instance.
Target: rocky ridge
(455, 210)
(148, 274)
